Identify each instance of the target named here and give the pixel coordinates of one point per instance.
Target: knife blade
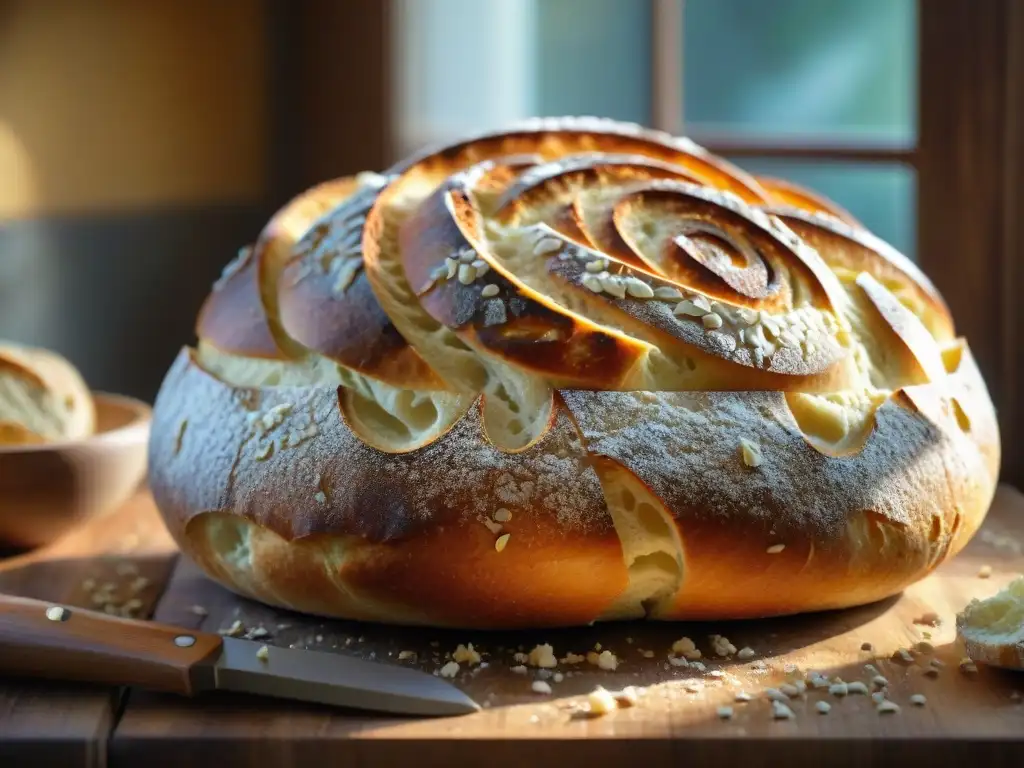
(52, 641)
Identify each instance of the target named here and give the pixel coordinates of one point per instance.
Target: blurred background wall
(143, 142)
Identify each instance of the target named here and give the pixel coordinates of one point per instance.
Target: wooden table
(977, 717)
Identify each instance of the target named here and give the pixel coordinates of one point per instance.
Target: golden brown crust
(328, 306)
(238, 315)
(679, 392)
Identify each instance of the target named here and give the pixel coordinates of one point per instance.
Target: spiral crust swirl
(571, 371)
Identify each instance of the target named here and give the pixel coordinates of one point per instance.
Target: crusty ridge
(520, 287)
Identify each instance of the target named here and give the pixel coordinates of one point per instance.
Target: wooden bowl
(46, 490)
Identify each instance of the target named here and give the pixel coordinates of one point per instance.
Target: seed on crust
(546, 245)
(712, 320)
(638, 288)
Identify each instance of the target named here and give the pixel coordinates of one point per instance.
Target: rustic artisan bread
(572, 371)
(43, 398)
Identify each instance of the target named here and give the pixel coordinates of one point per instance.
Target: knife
(47, 640)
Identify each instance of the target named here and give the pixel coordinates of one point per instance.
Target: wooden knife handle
(47, 640)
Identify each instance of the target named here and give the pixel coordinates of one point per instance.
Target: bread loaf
(571, 371)
(43, 398)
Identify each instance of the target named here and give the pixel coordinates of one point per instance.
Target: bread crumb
(573, 658)
(684, 646)
(321, 497)
(451, 669)
(56, 613)
(607, 660)
(985, 572)
(818, 681)
(600, 702)
(745, 653)
(823, 707)
(263, 654)
(539, 686)
(466, 654)
(725, 713)
(781, 711)
(502, 542)
(235, 630)
(721, 646)
(775, 549)
(918, 700)
(542, 656)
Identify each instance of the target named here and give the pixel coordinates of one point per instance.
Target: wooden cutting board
(977, 717)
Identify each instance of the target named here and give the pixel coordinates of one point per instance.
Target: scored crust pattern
(592, 369)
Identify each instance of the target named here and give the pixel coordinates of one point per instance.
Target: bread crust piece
(992, 630)
(463, 349)
(43, 398)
